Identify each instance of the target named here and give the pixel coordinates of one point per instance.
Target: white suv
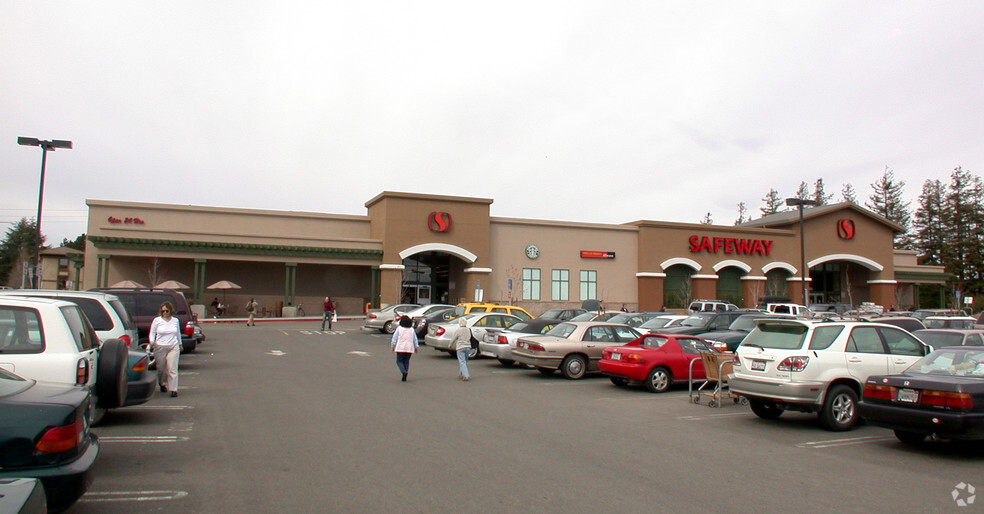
(818, 366)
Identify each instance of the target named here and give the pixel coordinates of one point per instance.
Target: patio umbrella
(128, 284)
(224, 285)
(171, 284)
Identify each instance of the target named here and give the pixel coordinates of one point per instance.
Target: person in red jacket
(329, 313)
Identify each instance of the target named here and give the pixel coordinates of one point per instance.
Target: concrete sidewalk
(317, 319)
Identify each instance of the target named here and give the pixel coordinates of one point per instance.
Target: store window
(589, 285)
(560, 285)
(531, 284)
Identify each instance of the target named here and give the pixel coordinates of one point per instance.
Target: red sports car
(656, 360)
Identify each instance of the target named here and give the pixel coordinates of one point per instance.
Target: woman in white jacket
(404, 344)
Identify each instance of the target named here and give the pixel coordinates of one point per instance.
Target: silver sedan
(441, 335)
(499, 344)
(572, 347)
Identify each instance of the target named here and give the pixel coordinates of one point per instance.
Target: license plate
(616, 356)
(758, 365)
(907, 395)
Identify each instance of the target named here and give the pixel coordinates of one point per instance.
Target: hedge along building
(430, 249)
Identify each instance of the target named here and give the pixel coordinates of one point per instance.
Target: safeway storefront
(445, 249)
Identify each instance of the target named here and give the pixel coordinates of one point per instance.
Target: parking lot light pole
(46, 146)
(799, 203)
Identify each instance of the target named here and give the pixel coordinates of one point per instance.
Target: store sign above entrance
(439, 221)
(845, 229)
(594, 254)
(136, 221)
(730, 245)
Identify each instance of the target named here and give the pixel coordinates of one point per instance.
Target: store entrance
(426, 278)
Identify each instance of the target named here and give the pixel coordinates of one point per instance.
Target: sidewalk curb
(316, 319)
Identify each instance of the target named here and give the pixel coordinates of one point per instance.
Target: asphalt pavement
(283, 417)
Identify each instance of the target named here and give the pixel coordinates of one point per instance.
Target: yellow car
(467, 308)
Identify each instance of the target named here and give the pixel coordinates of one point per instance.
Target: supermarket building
(423, 248)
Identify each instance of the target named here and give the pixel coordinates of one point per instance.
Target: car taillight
(372, 316)
(879, 392)
(63, 438)
(189, 329)
(125, 339)
(141, 365)
(534, 347)
(82, 372)
(440, 331)
(502, 340)
(793, 364)
(633, 357)
(946, 399)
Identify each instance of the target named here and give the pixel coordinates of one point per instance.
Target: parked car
(710, 306)
(561, 314)
(384, 319)
(572, 347)
(633, 319)
(789, 308)
(817, 366)
(595, 315)
(941, 337)
(22, 495)
(909, 323)
(499, 343)
(701, 322)
(941, 394)
(110, 320)
(949, 322)
(420, 323)
(656, 361)
(979, 324)
(52, 341)
(662, 321)
(467, 308)
(440, 336)
(839, 308)
(423, 311)
(925, 313)
(144, 304)
(44, 434)
(729, 339)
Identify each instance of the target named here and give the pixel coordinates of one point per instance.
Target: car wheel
(389, 327)
(546, 371)
(111, 376)
(619, 381)
(658, 380)
(506, 362)
(840, 410)
(574, 367)
(912, 438)
(764, 410)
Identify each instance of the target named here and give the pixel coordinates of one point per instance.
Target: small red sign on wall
(439, 221)
(594, 254)
(845, 229)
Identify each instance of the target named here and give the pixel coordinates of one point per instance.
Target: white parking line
(161, 407)
(143, 439)
(130, 496)
(845, 442)
(712, 416)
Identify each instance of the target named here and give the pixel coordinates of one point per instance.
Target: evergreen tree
(887, 201)
(742, 214)
(18, 247)
(77, 244)
(819, 195)
(929, 222)
(803, 193)
(773, 203)
(848, 194)
(707, 220)
(962, 220)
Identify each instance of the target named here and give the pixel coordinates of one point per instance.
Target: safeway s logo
(439, 221)
(845, 229)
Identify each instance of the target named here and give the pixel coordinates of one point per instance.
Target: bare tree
(155, 272)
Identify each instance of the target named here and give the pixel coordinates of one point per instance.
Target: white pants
(167, 365)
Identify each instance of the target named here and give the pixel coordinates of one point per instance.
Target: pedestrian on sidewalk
(251, 310)
(463, 346)
(404, 344)
(329, 315)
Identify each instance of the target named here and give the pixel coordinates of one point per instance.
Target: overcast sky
(596, 111)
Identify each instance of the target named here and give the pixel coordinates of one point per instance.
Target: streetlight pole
(799, 203)
(46, 146)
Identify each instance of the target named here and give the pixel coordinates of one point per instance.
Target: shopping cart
(714, 387)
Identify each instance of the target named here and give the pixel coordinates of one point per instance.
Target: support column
(751, 289)
(290, 283)
(102, 271)
(794, 289)
(650, 291)
(374, 285)
(390, 283)
(882, 292)
(77, 264)
(198, 285)
(704, 287)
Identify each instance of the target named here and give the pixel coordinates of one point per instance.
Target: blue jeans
(463, 362)
(326, 317)
(403, 361)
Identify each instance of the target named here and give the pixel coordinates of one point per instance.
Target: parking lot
(284, 417)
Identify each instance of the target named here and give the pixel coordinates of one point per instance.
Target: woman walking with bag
(404, 344)
(329, 315)
(462, 346)
(165, 342)
(251, 310)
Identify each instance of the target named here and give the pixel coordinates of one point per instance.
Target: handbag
(334, 317)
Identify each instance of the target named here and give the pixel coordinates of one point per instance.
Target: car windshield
(955, 362)
(658, 322)
(940, 339)
(744, 323)
(563, 330)
(696, 321)
(552, 313)
(782, 336)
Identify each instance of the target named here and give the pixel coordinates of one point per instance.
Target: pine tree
(16, 248)
(886, 200)
(819, 195)
(848, 194)
(929, 222)
(773, 203)
(742, 214)
(803, 193)
(962, 220)
(707, 220)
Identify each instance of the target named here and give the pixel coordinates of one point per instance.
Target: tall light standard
(799, 203)
(45, 147)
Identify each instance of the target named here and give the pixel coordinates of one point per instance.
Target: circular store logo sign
(845, 229)
(439, 221)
